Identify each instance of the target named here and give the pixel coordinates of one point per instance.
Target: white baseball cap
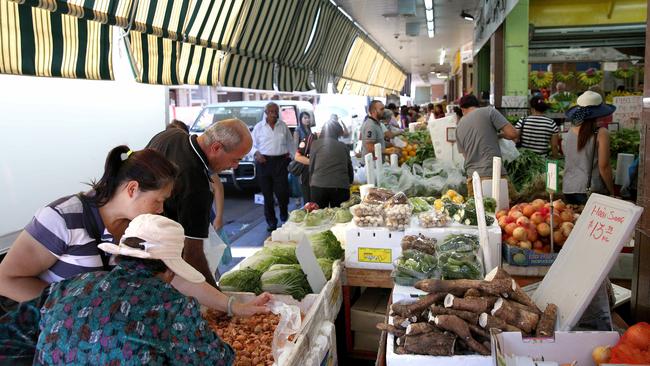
(164, 239)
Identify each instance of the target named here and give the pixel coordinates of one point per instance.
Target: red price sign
(604, 220)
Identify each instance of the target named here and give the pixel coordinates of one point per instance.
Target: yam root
(546, 324)
(416, 308)
(517, 294)
(397, 332)
(488, 322)
(432, 343)
(522, 319)
(459, 287)
(418, 328)
(472, 292)
(402, 322)
(518, 305)
(479, 331)
(473, 304)
(468, 316)
(458, 326)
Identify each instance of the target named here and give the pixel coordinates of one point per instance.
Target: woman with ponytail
(61, 239)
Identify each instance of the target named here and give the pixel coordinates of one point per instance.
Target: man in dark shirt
(220, 147)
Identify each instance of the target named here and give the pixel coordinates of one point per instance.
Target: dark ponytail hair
(148, 167)
(587, 129)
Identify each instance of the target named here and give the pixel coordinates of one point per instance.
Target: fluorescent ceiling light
(430, 33)
(441, 76)
(443, 53)
(428, 4)
(429, 13)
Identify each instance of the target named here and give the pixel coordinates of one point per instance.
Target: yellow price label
(375, 255)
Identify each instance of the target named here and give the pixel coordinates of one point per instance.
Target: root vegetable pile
(528, 225)
(456, 316)
(250, 337)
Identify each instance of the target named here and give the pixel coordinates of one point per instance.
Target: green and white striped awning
(38, 42)
(301, 45)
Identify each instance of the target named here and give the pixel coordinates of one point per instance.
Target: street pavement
(245, 225)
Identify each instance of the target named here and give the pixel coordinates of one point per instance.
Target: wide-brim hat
(590, 105)
(163, 239)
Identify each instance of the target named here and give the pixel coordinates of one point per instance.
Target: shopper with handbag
(330, 169)
(299, 167)
(586, 148)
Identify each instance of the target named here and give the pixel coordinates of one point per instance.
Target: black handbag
(296, 168)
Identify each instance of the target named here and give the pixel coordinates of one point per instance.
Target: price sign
(587, 256)
(551, 175)
(375, 255)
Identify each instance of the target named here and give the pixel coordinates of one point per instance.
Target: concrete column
(641, 276)
(516, 50)
(496, 66)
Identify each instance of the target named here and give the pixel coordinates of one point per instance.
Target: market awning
(300, 45)
(38, 42)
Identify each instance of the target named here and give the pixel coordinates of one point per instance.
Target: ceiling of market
(418, 55)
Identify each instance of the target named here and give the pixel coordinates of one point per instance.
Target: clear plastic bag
(420, 243)
(368, 221)
(377, 196)
(459, 257)
(364, 209)
(509, 150)
(434, 218)
(290, 323)
(416, 264)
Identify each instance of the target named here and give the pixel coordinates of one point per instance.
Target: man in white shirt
(274, 148)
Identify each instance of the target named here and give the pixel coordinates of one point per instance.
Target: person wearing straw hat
(133, 314)
(586, 149)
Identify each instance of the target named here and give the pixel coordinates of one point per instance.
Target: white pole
(370, 168)
(496, 180)
(379, 164)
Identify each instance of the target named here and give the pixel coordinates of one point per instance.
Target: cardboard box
(366, 341)
(369, 310)
(510, 349)
(525, 257)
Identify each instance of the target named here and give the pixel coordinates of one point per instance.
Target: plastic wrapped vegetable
(315, 218)
(242, 280)
(420, 242)
(457, 265)
(398, 199)
(326, 245)
(342, 216)
(364, 209)
(416, 264)
(419, 204)
(326, 265)
(433, 219)
(368, 221)
(459, 243)
(286, 279)
(377, 196)
(297, 216)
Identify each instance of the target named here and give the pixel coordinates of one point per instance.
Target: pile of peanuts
(250, 337)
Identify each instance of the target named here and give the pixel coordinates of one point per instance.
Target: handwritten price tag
(603, 221)
(551, 175)
(375, 255)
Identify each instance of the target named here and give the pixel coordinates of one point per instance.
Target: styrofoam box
(372, 248)
(393, 359)
(565, 347)
(491, 255)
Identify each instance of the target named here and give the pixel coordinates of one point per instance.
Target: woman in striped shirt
(537, 130)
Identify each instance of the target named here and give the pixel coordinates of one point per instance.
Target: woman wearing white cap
(132, 314)
(586, 149)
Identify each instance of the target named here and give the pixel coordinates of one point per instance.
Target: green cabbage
(326, 265)
(342, 215)
(297, 215)
(287, 279)
(242, 280)
(326, 245)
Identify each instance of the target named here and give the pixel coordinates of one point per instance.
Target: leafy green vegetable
(326, 245)
(625, 140)
(458, 243)
(416, 264)
(242, 280)
(297, 215)
(342, 215)
(419, 205)
(354, 200)
(490, 204)
(268, 256)
(326, 265)
(286, 253)
(286, 279)
(526, 167)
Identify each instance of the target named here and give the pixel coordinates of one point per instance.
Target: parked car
(250, 112)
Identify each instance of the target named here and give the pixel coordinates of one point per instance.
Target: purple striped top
(59, 227)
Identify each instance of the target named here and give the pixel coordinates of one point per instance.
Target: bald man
(273, 151)
(220, 147)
